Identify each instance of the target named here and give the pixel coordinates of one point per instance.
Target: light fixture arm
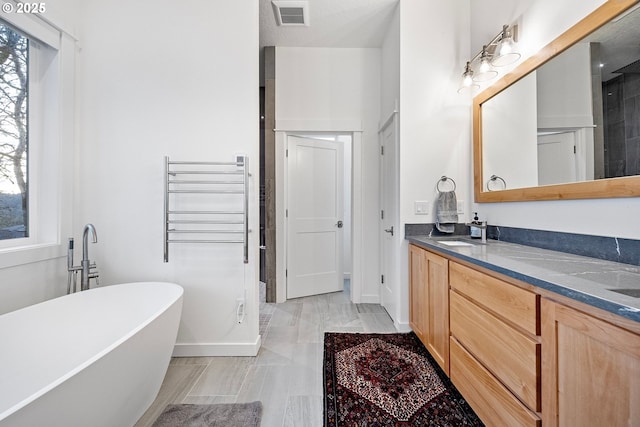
(489, 55)
(494, 41)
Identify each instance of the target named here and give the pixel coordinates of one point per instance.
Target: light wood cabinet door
(438, 309)
(429, 302)
(418, 292)
(590, 370)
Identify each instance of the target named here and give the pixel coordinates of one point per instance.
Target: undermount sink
(635, 293)
(455, 243)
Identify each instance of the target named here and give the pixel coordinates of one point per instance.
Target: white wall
(541, 22)
(435, 122)
(390, 71)
(63, 14)
(323, 89)
(564, 89)
(154, 81)
(509, 135)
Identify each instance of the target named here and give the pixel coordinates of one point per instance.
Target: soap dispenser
(475, 232)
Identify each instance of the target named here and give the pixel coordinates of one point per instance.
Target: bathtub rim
(162, 308)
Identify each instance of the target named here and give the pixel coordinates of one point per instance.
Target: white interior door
(557, 158)
(388, 220)
(314, 209)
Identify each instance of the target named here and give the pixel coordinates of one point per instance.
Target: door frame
(339, 143)
(348, 127)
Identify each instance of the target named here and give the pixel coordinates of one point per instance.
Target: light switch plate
(460, 206)
(421, 208)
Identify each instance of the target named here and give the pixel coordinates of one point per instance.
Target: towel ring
(445, 179)
(493, 179)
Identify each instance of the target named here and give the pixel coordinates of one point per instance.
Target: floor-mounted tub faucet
(86, 266)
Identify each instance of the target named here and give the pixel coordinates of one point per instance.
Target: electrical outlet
(421, 208)
(460, 207)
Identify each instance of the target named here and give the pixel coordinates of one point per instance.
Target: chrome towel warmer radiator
(212, 180)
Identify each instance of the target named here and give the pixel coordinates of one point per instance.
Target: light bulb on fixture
(467, 80)
(505, 53)
(485, 71)
(500, 51)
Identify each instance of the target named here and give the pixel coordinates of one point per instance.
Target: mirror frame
(601, 188)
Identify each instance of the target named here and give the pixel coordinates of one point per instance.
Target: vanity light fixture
(467, 80)
(505, 53)
(500, 51)
(485, 70)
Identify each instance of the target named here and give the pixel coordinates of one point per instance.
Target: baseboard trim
(402, 326)
(216, 349)
(370, 299)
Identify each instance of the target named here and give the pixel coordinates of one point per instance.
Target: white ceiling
(333, 23)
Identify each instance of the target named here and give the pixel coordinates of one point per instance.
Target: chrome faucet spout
(85, 264)
(89, 228)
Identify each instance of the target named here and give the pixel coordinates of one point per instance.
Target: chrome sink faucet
(482, 225)
(483, 230)
(86, 267)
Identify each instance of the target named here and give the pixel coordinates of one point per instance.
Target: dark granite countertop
(588, 280)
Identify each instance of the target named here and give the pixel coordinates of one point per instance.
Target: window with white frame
(30, 82)
(14, 133)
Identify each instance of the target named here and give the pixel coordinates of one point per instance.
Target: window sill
(13, 257)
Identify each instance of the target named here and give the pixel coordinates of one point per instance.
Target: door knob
(389, 230)
(339, 224)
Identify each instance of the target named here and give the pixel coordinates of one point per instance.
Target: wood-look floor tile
(281, 334)
(223, 376)
(342, 315)
(286, 376)
(177, 382)
(308, 354)
(304, 411)
(190, 360)
(305, 381)
(377, 322)
(209, 400)
(286, 314)
(252, 386)
(370, 308)
(278, 353)
(270, 385)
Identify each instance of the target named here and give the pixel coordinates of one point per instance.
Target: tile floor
(286, 375)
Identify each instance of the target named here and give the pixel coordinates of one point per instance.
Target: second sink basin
(455, 243)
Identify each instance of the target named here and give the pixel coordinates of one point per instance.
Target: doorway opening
(317, 213)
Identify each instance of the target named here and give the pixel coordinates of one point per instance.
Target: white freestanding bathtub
(93, 358)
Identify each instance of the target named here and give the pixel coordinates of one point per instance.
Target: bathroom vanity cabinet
(495, 346)
(522, 355)
(590, 370)
(429, 308)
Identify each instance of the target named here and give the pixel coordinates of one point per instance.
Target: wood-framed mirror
(519, 134)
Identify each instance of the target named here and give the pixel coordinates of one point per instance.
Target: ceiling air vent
(291, 13)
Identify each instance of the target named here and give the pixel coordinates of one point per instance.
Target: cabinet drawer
(512, 357)
(517, 305)
(493, 403)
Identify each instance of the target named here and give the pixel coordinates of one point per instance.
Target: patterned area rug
(388, 380)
